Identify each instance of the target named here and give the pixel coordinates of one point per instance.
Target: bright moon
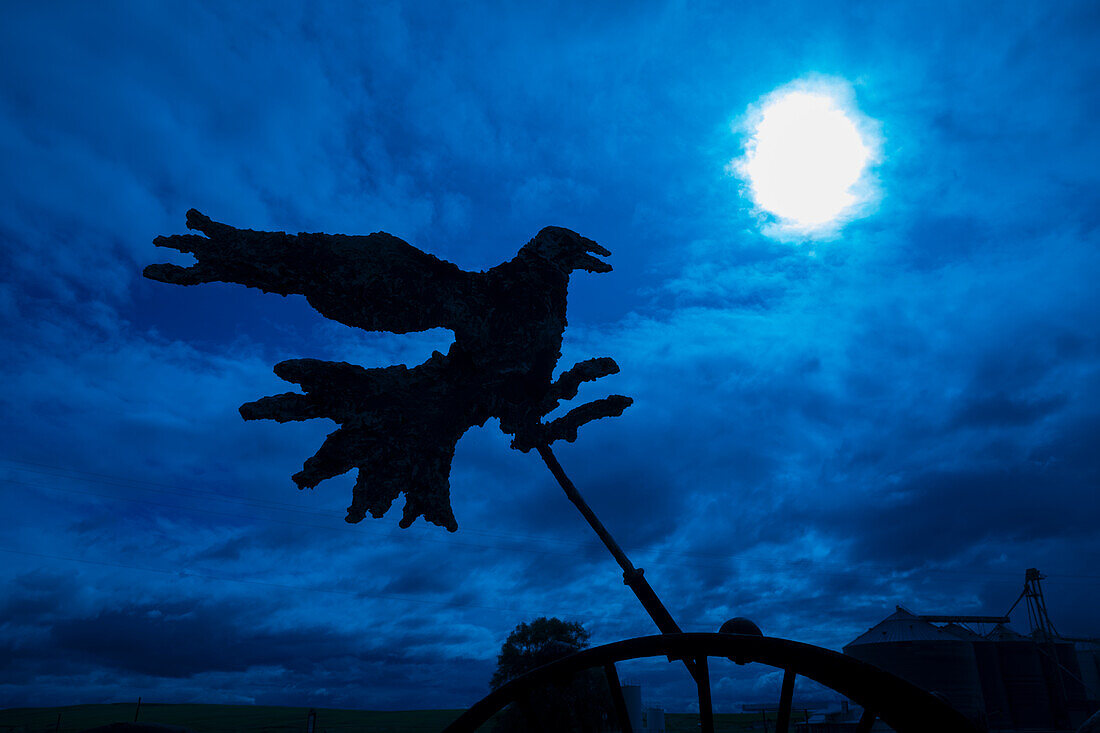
(804, 159)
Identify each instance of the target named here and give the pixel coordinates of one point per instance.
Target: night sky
(902, 410)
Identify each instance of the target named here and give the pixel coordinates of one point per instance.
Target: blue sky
(905, 413)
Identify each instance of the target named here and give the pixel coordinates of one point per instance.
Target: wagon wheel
(901, 705)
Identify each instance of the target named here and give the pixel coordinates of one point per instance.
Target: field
(224, 718)
(253, 719)
(723, 722)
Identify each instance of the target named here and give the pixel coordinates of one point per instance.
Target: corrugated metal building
(1088, 659)
(1024, 679)
(925, 655)
(1002, 681)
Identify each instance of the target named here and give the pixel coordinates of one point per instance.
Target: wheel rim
(901, 705)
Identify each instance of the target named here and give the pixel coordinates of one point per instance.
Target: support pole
(786, 699)
(706, 705)
(632, 576)
(586, 511)
(617, 698)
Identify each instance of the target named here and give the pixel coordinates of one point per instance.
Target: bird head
(568, 250)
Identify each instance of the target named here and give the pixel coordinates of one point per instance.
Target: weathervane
(399, 426)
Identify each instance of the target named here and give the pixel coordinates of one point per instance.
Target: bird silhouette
(399, 425)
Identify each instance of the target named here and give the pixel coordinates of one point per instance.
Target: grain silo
(1023, 676)
(1065, 682)
(1002, 680)
(997, 711)
(1088, 661)
(925, 655)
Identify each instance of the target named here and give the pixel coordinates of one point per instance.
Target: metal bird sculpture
(399, 426)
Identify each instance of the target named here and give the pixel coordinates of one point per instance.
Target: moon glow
(804, 160)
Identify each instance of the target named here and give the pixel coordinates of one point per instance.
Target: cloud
(180, 640)
(1004, 410)
(198, 644)
(904, 414)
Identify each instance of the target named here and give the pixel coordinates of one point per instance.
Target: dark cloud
(904, 414)
(182, 639)
(195, 643)
(934, 516)
(1004, 410)
(37, 595)
(937, 241)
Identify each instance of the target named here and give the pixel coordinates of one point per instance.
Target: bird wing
(398, 426)
(376, 282)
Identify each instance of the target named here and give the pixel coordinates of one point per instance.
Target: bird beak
(589, 263)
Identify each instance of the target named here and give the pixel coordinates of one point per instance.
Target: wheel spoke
(617, 698)
(706, 709)
(786, 697)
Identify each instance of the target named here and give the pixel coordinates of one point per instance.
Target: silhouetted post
(57, 727)
(623, 715)
(706, 706)
(632, 576)
(311, 721)
(137, 709)
(786, 699)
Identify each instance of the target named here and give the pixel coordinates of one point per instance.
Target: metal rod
(632, 576)
(706, 707)
(786, 698)
(585, 510)
(617, 698)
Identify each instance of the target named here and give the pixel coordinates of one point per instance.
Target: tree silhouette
(582, 703)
